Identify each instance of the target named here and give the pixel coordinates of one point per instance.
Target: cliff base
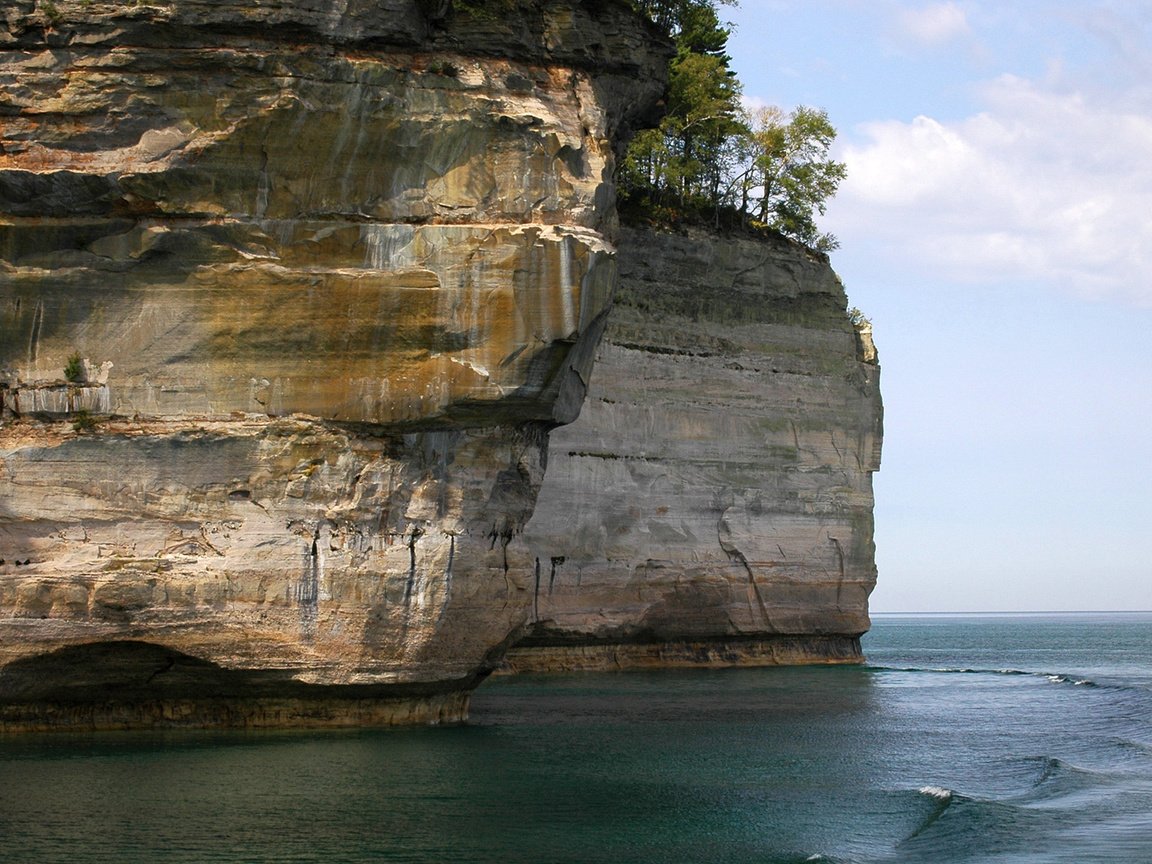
(708, 654)
(138, 685)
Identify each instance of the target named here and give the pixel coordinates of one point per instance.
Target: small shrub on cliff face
(74, 369)
(84, 423)
(51, 14)
(443, 67)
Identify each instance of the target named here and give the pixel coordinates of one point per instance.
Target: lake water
(965, 739)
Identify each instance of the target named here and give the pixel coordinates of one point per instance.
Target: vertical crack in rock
(263, 187)
(840, 569)
(416, 534)
(308, 589)
(724, 537)
(447, 602)
(536, 592)
(34, 335)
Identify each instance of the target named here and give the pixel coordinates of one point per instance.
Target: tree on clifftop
(675, 16)
(680, 162)
(711, 160)
(790, 173)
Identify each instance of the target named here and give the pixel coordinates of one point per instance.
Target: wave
(937, 792)
(1068, 679)
(1070, 809)
(1139, 748)
(1054, 792)
(1053, 677)
(940, 798)
(1056, 778)
(985, 826)
(805, 858)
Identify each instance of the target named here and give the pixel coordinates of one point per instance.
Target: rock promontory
(290, 296)
(712, 505)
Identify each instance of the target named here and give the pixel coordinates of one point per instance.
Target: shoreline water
(963, 741)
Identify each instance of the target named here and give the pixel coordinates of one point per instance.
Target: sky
(996, 226)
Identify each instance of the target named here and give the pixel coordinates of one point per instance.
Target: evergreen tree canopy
(683, 157)
(677, 15)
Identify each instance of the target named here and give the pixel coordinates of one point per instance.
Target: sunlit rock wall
(713, 503)
(322, 275)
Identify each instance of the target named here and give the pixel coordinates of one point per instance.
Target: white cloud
(1042, 185)
(934, 24)
(752, 104)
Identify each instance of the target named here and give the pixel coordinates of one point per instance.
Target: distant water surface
(965, 739)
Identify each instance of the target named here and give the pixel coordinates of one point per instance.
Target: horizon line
(1018, 612)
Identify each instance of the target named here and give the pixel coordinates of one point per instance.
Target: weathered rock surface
(713, 503)
(323, 275)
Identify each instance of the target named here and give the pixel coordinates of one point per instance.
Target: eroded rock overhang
(322, 278)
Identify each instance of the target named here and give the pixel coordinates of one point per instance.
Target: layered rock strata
(290, 296)
(713, 503)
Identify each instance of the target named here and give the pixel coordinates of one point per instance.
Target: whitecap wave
(1070, 679)
(937, 792)
(1054, 677)
(942, 800)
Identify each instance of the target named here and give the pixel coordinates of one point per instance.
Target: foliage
(712, 160)
(683, 159)
(685, 154)
(790, 173)
(52, 15)
(74, 368)
(677, 16)
(84, 422)
(443, 67)
(858, 318)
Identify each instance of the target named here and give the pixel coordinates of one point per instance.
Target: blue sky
(996, 226)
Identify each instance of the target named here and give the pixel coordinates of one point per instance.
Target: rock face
(290, 296)
(713, 503)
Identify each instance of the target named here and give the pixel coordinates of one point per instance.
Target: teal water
(965, 739)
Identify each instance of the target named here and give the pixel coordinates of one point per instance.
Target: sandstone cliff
(713, 503)
(322, 276)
